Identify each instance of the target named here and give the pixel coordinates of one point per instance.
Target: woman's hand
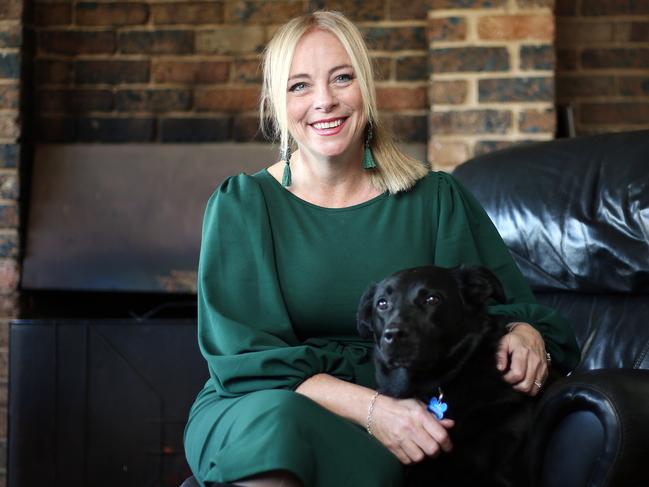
(522, 358)
(409, 430)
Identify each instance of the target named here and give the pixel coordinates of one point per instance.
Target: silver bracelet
(370, 412)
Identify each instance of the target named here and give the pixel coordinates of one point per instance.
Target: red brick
(51, 71)
(11, 9)
(231, 40)
(448, 92)
(446, 29)
(247, 71)
(113, 13)
(190, 71)
(9, 97)
(77, 42)
(615, 58)
(9, 128)
(634, 85)
(187, 13)
(513, 27)
(410, 10)
(382, 68)
(468, 4)
(486, 146)
(614, 7)
(357, 10)
(157, 42)
(445, 155)
(74, 101)
(584, 86)
(397, 98)
(537, 121)
(579, 33)
(8, 215)
(52, 13)
(471, 122)
(640, 31)
(407, 128)
(614, 113)
(262, 12)
(227, 99)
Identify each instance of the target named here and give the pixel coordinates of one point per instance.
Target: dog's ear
(365, 312)
(478, 284)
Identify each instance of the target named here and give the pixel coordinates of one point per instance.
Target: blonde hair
(395, 170)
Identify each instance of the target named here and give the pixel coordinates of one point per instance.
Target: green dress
(278, 287)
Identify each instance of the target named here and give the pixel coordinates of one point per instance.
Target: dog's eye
(432, 299)
(382, 304)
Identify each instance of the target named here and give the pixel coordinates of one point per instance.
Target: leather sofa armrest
(591, 429)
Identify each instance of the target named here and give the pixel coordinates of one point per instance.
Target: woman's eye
(343, 78)
(382, 304)
(432, 299)
(297, 87)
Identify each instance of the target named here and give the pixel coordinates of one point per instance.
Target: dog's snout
(392, 334)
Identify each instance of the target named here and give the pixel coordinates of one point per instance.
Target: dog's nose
(390, 334)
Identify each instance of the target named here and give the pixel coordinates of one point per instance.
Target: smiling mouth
(328, 124)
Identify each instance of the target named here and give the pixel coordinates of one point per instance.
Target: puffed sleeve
(244, 331)
(466, 235)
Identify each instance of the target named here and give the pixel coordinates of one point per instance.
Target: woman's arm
(404, 426)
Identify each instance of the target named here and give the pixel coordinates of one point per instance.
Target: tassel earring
(286, 157)
(368, 159)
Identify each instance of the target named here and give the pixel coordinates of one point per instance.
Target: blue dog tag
(437, 407)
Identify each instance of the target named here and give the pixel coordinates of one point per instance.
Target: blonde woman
(285, 257)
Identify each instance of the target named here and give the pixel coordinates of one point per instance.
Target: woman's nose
(325, 100)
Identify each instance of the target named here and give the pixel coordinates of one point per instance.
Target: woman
(285, 257)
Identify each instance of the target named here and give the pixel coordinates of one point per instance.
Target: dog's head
(418, 316)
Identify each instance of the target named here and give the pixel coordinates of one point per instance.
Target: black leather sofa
(575, 215)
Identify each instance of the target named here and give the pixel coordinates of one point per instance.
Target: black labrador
(433, 335)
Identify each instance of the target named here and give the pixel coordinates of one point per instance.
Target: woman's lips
(328, 127)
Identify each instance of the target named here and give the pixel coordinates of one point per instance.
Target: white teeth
(328, 125)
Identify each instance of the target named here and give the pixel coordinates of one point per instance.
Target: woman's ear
(365, 313)
(478, 285)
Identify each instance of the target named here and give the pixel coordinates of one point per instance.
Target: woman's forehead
(318, 49)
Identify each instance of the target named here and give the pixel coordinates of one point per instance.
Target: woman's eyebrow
(335, 68)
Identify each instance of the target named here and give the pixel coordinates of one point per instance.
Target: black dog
(432, 332)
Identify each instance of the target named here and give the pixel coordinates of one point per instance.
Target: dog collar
(436, 406)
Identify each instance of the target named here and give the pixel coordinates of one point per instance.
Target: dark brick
(614, 113)
(187, 13)
(516, 89)
(615, 7)
(357, 10)
(8, 246)
(191, 71)
(11, 36)
(55, 129)
(112, 72)
(9, 187)
(485, 146)
(565, 8)
(408, 128)
(52, 13)
(382, 67)
(412, 9)
(471, 122)
(74, 101)
(115, 129)
(9, 155)
(8, 215)
(396, 38)
(157, 42)
(246, 129)
(448, 92)
(11, 9)
(412, 68)
(640, 31)
(566, 59)
(469, 59)
(152, 100)
(537, 57)
(113, 13)
(615, 58)
(472, 4)
(446, 29)
(247, 71)
(9, 97)
(579, 86)
(537, 121)
(634, 85)
(262, 12)
(195, 129)
(9, 128)
(535, 3)
(73, 42)
(53, 71)
(9, 65)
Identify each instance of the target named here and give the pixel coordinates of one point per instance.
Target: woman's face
(324, 102)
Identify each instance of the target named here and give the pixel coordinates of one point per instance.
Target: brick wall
(188, 71)
(492, 76)
(603, 63)
(10, 129)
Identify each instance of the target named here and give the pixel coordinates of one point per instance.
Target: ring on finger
(538, 383)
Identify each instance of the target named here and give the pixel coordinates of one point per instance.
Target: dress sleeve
(466, 235)
(244, 331)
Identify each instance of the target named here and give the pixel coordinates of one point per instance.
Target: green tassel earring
(286, 176)
(368, 159)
